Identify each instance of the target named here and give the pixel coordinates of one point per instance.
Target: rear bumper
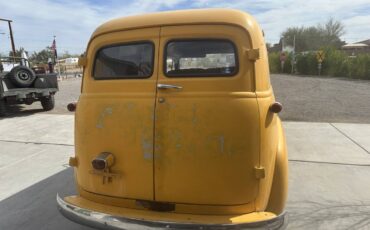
(22, 93)
(103, 220)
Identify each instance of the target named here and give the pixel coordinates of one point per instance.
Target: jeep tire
(22, 76)
(48, 103)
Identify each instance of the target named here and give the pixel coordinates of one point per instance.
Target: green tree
(41, 57)
(18, 52)
(315, 37)
(332, 31)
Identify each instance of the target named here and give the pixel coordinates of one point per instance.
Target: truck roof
(186, 17)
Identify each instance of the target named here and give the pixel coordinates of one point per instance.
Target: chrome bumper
(106, 221)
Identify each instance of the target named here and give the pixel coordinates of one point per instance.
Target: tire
(22, 76)
(48, 103)
(2, 108)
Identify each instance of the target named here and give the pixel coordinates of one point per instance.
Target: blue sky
(73, 21)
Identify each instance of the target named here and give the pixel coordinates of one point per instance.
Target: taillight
(72, 106)
(276, 107)
(103, 161)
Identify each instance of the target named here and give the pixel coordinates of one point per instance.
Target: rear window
(200, 58)
(124, 61)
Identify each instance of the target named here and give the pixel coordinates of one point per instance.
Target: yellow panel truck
(177, 126)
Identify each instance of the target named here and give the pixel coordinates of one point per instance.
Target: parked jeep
(177, 126)
(21, 85)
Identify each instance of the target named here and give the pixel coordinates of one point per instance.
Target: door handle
(165, 86)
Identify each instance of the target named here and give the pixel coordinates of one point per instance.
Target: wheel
(22, 76)
(48, 103)
(2, 108)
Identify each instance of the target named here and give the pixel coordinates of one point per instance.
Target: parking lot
(327, 125)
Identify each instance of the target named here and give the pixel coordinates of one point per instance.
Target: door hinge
(73, 162)
(259, 172)
(82, 61)
(253, 54)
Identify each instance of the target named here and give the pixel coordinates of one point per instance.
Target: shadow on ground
(35, 207)
(21, 111)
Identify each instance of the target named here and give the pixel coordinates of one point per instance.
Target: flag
(54, 49)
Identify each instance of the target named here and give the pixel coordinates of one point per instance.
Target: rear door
(206, 129)
(115, 113)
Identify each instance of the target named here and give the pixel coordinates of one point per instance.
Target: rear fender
(279, 189)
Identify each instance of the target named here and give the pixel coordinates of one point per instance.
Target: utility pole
(11, 35)
(293, 55)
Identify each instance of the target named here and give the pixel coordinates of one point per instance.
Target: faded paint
(106, 111)
(222, 143)
(130, 106)
(147, 148)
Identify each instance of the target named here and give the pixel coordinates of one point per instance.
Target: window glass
(124, 61)
(200, 58)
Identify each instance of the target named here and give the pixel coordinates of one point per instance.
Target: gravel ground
(303, 98)
(322, 99)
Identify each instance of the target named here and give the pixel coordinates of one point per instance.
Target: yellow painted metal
(187, 17)
(253, 54)
(279, 189)
(268, 143)
(82, 61)
(117, 116)
(73, 162)
(169, 216)
(261, 70)
(206, 138)
(259, 172)
(180, 208)
(198, 147)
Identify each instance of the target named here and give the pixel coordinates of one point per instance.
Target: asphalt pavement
(329, 165)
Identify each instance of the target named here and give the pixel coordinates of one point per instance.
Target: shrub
(306, 64)
(336, 63)
(275, 64)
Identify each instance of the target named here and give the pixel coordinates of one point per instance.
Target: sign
(282, 60)
(282, 56)
(320, 56)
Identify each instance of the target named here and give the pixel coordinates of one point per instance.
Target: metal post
(293, 56)
(11, 35)
(54, 61)
(12, 39)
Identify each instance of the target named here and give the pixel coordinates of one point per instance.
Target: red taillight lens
(72, 107)
(99, 164)
(276, 107)
(103, 161)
